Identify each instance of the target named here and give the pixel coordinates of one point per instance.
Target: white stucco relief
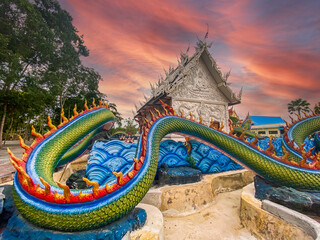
(198, 94)
(198, 85)
(205, 110)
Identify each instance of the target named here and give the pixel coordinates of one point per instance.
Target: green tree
(317, 108)
(40, 54)
(117, 115)
(131, 127)
(128, 126)
(298, 106)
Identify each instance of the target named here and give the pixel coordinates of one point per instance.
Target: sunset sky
(271, 47)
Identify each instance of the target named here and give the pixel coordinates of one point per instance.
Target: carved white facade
(196, 86)
(200, 96)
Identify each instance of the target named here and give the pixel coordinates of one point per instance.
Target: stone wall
(263, 224)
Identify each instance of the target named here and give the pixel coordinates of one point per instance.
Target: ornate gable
(198, 84)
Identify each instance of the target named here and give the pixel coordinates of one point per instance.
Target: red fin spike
(191, 116)
(39, 191)
(291, 143)
(119, 177)
(81, 195)
(242, 135)
(25, 177)
(221, 127)
(46, 185)
(303, 161)
(292, 162)
(148, 125)
(24, 146)
(314, 113)
(271, 147)
(157, 111)
(85, 105)
(152, 116)
(312, 165)
(292, 120)
(164, 105)
(317, 160)
(34, 133)
(66, 191)
(51, 126)
(93, 103)
(310, 151)
(212, 124)
(231, 130)
(255, 141)
(200, 119)
(230, 126)
(131, 174)
(64, 119)
(95, 186)
(164, 108)
(287, 124)
(301, 148)
(136, 164)
(299, 117)
(171, 109)
(14, 158)
(109, 188)
(285, 156)
(75, 113)
(58, 198)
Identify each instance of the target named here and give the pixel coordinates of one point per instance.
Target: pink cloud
(269, 48)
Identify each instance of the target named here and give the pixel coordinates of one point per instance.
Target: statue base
(19, 228)
(305, 202)
(177, 175)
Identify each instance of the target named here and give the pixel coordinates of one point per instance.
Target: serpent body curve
(53, 205)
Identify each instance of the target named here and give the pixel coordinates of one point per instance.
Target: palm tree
(298, 106)
(317, 108)
(117, 115)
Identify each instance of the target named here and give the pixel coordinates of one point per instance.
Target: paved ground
(219, 221)
(6, 168)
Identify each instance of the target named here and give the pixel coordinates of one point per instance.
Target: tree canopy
(298, 106)
(130, 127)
(317, 108)
(40, 63)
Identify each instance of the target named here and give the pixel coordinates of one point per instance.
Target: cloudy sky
(271, 47)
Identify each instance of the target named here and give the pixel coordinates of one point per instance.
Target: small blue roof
(263, 120)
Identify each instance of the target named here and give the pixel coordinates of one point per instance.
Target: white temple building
(195, 86)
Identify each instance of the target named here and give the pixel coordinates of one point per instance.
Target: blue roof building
(265, 120)
(267, 125)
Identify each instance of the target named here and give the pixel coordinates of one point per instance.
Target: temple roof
(175, 76)
(265, 120)
(232, 113)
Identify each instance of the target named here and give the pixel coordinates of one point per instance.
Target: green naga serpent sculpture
(53, 205)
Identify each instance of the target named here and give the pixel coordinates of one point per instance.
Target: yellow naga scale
(53, 205)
